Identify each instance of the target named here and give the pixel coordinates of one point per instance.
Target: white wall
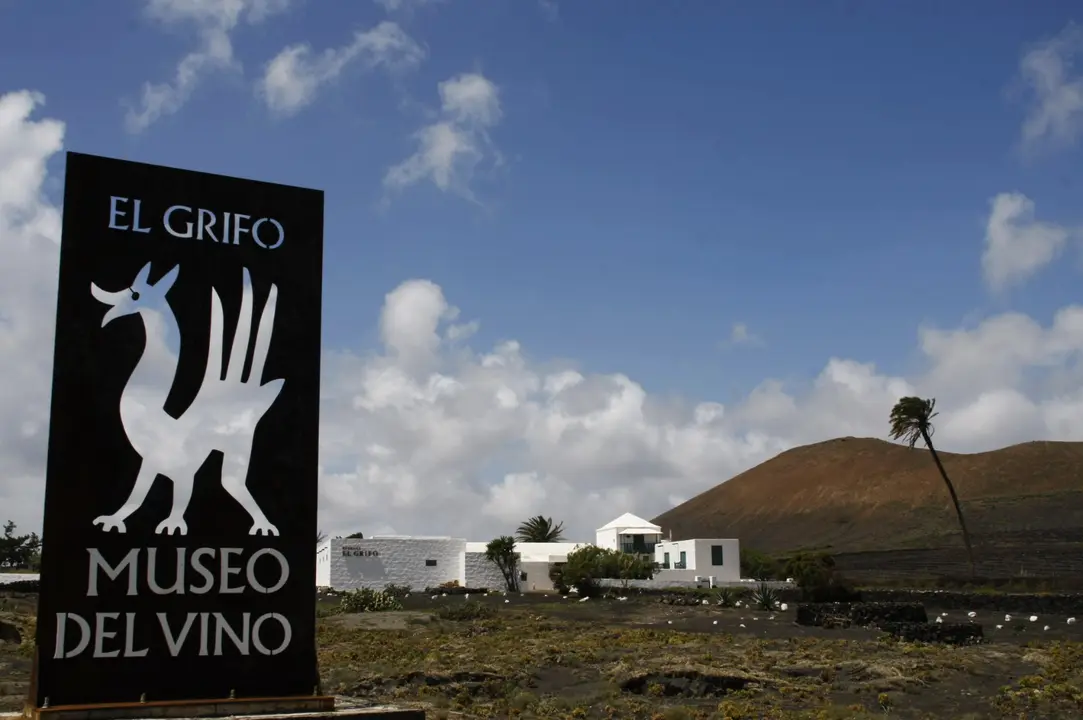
(323, 564)
(607, 539)
(378, 561)
(546, 552)
(698, 559)
(480, 572)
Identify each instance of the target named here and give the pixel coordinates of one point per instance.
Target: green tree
(911, 420)
(588, 564)
(540, 529)
(18, 552)
(320, 536)
(356, 536)
(501, 552)
(759, 566)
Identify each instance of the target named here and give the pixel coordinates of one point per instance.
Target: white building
(629, 533)
(421, 562)
(719, 559)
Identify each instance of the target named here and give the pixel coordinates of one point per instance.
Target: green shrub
(588, 564)
(368, 600)
(397, 591)
(760, 566)
(817, 578)
(468, 610)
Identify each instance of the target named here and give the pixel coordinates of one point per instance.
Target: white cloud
(549, 9)
(1016, 245)
(292, 78)
(741, 336)
(451, 148)
(214, 22)
(404, 7)
(430, 435)
(1055, 117)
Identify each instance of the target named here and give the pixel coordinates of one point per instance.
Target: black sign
(180, 500)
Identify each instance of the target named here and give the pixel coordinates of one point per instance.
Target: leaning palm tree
(911, 420)
(540, 529)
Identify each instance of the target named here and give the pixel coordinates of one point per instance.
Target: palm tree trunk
(954, 500)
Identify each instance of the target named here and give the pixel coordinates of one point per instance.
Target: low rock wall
(947, 633)
(1039, 604)
(860, 613)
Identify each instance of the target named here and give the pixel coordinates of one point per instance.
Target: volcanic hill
(1023, 505)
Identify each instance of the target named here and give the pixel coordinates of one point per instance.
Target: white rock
(1007, 618)
(971, 614)
(1034, 618)
(783, 607)
(1071, 621)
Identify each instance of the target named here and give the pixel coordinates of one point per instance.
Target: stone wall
(1038, 604)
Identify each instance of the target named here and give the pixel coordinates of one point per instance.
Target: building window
(682, 564)
(522, 577)
(430, 563)
(717, 555)
(665, 561)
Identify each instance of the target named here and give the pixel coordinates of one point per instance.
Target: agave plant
(765, 597)
(727, 597)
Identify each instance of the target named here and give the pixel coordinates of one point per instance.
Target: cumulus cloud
(293, 77)
(1054, 118)
(404, 6)
(429, 434)
(214, 22)
(451, 148)
(741, 336)
(1016, 245)
(549, 9)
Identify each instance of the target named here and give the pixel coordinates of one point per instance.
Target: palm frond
(911, 419)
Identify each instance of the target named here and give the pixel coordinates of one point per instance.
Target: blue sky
(819, 172)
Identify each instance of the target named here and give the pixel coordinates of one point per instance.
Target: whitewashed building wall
(700, 559)
(481, 572)
(347, 564)
(608, 538)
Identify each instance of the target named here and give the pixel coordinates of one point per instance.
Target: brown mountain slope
(859, 494)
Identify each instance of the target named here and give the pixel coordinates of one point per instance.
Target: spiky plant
(765, 597)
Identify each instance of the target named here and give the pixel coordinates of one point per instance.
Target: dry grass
(580, 662)
(640, 660)
(854, 494)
